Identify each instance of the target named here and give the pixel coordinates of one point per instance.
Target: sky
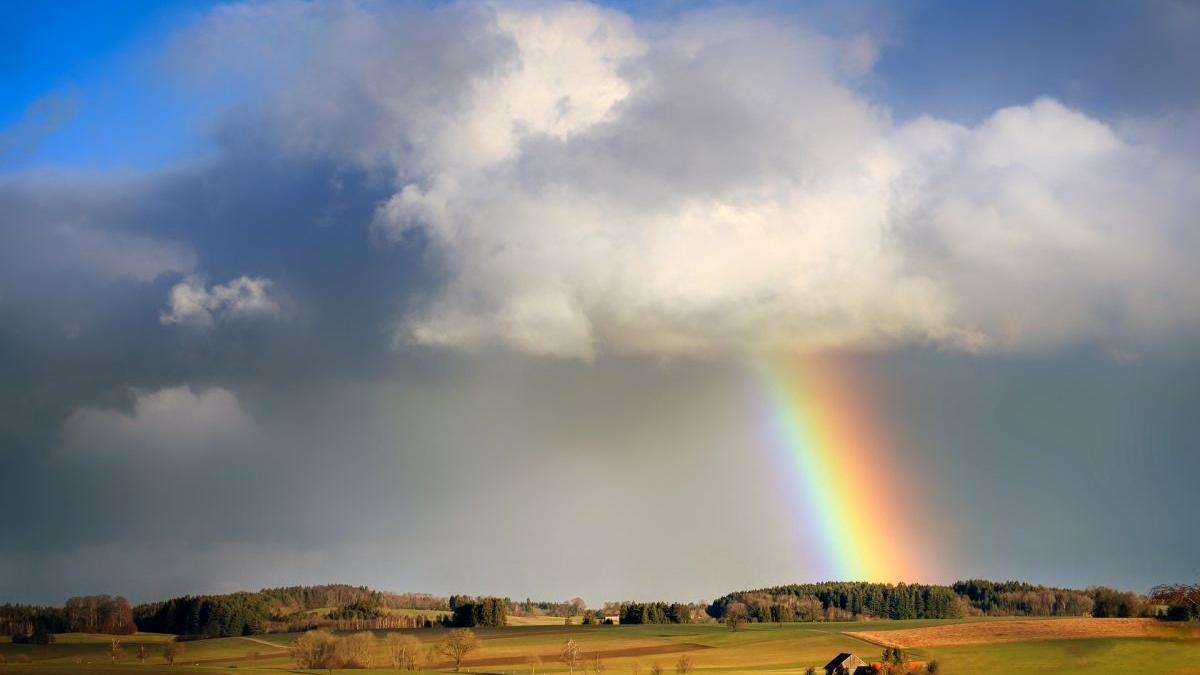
(627, 301)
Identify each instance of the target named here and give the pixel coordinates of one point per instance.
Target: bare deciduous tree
(457, 644)
(316, 650)
(403, 651)
(569, 655)
(656, 668)
(171, 651)
(141, 653)
(534, 661)
(684, 665)
(115, 650)
(736, 616)
(354, 651)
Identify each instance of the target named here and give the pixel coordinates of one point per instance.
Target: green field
(761, 649)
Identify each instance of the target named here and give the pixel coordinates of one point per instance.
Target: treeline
(207, 615)
(99, 614)
(292, 599)
(840, 600)
(1017, 598)
(26, 620)
(565, 608)
(655, 612)
(285, 610)
(469, 612)
(358, 609)
(81, 614)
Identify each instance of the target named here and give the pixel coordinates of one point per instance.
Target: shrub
(315, 650)
(354, 651)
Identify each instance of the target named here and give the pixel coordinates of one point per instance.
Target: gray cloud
(164, 424)
(74, 232)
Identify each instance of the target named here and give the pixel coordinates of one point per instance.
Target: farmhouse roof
(844, 659)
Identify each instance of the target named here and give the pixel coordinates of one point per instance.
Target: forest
(345, 607)
(838, 601)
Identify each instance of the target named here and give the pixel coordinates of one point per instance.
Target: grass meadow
(764, 649)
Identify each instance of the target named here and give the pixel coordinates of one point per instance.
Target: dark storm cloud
(85, 350)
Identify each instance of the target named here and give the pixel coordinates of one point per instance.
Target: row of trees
(360, 608)
(799, 602)
(470, 612)
(322, 650)
(286, 609)
(1109, 602)
(528, 607)
(364, 608)
(207, 615)
(81, 614)
(25, 620)
(1017, 598)
(293, 599)
(655, 612)
(99, 614)
(847, 600)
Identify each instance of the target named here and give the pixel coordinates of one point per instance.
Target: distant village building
(612, 618)
(847, 664)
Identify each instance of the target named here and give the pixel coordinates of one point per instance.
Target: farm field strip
(1016, 630)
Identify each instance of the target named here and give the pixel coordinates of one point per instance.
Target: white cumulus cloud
(721, 183)
(171, 422)
(191, 302)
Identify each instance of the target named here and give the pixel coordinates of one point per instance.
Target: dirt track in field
(1017, 630)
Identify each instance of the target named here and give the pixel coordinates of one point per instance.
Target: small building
(613, 619)
(847, 664)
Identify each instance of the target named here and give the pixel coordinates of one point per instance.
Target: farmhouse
(846, 664)
(612, 618)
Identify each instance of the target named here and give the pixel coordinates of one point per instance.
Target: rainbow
(847, 487)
